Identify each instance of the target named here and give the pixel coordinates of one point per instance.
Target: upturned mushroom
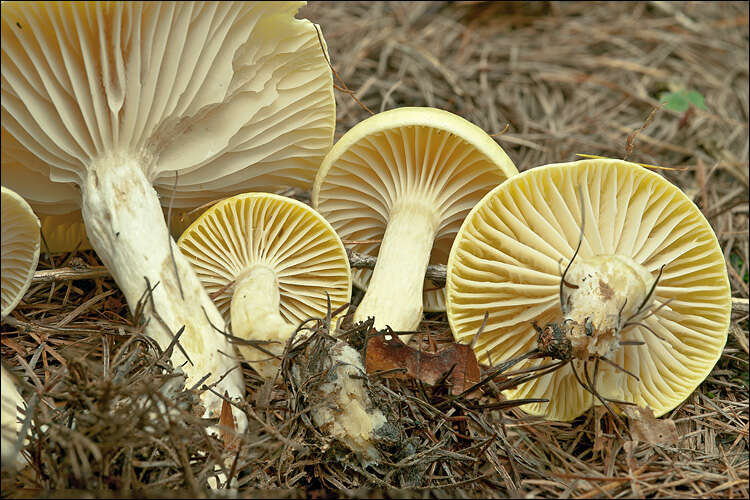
(11, 425)
(122, 106)
(19, 254)
(272, 262)
(408, 177)
(603, 271)
(269, 262)
(20, 249)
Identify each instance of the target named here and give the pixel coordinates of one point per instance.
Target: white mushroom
(130, 101)
(20, 249)
(407, 176)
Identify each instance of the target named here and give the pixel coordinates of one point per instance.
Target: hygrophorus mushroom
(408, 177)
(638, 314)
(121, 107)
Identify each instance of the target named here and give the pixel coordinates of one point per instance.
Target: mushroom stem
(255, 316)
(402, 261)
(126, 227)
(609, 289)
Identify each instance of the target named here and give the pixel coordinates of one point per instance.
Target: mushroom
(130, 102)
(11, 425)
(269, 262)
(628, 296)
(19, 255)
(20, 248)
(408, 177)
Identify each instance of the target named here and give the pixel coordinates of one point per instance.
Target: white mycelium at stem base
(255, 316)
(402, 262)
(126, 227)
(610, 290)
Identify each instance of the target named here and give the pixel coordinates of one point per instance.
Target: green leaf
(682, 100)
(674, 101)
(696, 99)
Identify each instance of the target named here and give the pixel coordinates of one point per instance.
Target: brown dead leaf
(645, 427)
(226, 419)
(429, 367)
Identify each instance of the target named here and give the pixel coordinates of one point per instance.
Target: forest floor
(549, 80)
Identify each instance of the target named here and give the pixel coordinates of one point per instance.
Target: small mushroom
(19, 255)
(11, 424)
(408, 177)
(629, 297)
(20, 248)
(269, 262)
(121, 107)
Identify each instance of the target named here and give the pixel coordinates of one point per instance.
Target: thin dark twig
(578, 247)
(612, 363)
(648, 295)
(161, 321)
(630, 142)
(647, 328)
(346, 87)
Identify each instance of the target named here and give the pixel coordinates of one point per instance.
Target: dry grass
(565, 78)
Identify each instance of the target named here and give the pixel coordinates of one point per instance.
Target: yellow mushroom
(642, 313)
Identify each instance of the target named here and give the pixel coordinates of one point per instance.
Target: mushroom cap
(228, 96)
(509, 255)
(20, 248)
(426, 151)
(286, 235)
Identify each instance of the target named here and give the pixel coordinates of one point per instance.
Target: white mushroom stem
(394, 294)
(610, 290)
(126, 227)
(346, 414)
(255, 316)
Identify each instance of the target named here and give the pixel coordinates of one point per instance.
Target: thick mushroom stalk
(402, 262)
(255, 316)
(127, 230)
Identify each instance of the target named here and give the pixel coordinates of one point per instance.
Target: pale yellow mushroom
(118, 108)
(19, 255)
(408, 177)
(270, 263)
(20, 248)
(511, 252)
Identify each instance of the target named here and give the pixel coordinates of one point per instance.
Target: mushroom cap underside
(429, 154)
(285, 235)
(222, 98)
(511, 251)
(20, 248)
